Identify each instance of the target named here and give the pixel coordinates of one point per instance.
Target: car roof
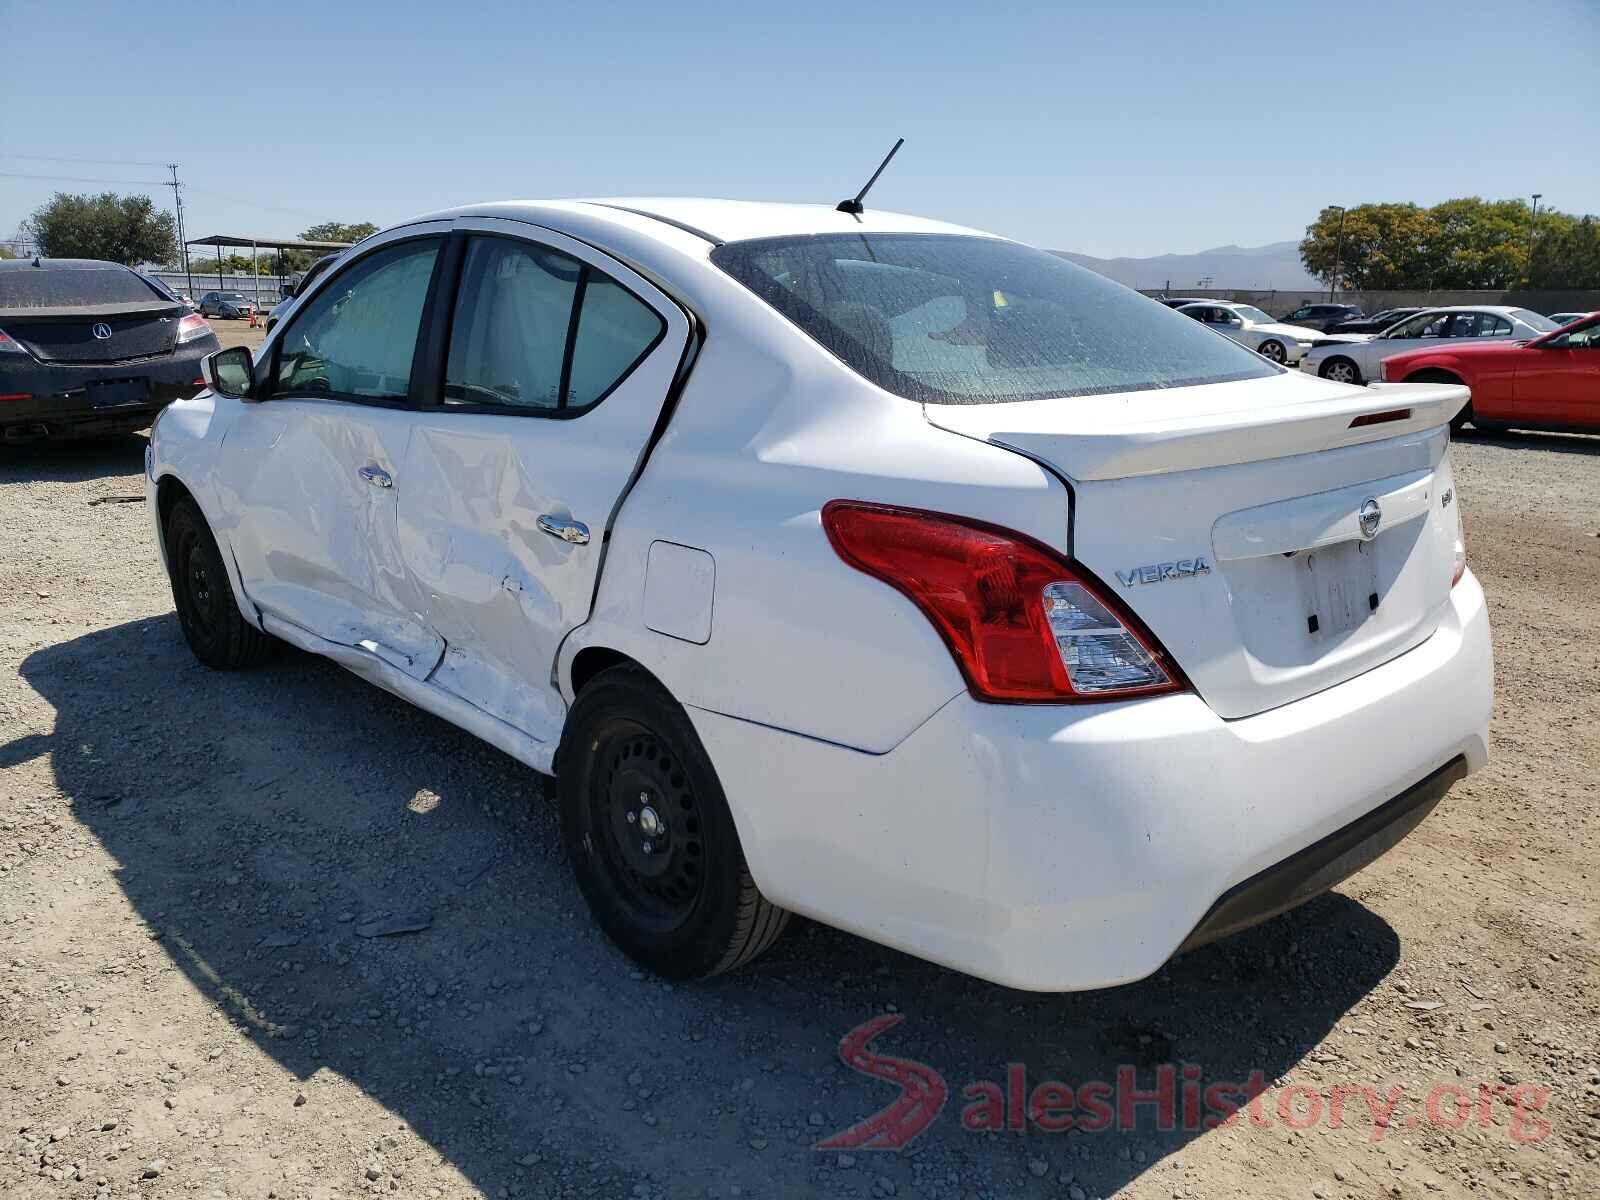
(1502, 309)
(60, 264)
(718, 221)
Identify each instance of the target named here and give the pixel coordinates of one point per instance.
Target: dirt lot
(191, 865)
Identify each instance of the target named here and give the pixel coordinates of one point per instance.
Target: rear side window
(50, 287)
(357, 336)
(968, 320)
(536, 329)
(1535, 320)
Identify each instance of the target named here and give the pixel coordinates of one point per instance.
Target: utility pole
(1338, 254)
(1533, 218)
(177, 204)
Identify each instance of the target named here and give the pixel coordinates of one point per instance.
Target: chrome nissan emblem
(101, 330)
(1371, 515)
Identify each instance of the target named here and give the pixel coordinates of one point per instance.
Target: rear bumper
(1326, 863)
(59, 406)
(1056, 849)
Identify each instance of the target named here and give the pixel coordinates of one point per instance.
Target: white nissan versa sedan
(859, 566)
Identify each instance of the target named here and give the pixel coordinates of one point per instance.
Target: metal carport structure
(233, 241)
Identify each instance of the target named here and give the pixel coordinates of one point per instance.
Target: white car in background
(1249, 326)
(849, 564)
(1355, 357)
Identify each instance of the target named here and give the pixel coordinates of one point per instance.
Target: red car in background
(1552, 382)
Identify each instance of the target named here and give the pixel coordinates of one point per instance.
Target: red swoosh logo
(922, 1092)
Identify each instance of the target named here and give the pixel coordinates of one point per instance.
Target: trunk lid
(1229, 518)
(67, 335)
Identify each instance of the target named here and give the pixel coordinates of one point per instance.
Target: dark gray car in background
(90, 348)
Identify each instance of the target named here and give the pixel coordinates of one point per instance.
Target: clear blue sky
(1126, 128)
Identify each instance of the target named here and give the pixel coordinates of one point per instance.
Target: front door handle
(565, 528)
(376, 476)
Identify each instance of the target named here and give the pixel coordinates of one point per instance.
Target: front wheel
(650, 836)
(1341, 370)
(209, 615)
(1274, 350)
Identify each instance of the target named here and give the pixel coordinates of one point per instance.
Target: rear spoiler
(1172, 431)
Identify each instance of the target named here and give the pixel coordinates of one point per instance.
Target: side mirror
(230, 372)
(1236, 322)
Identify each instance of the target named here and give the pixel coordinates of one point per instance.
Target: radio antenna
(855, 207)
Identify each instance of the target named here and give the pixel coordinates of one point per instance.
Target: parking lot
(279, 934)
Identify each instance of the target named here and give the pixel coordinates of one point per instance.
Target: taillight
(191, 327)
(1024, 624)
(9, 344)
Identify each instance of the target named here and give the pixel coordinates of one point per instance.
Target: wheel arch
(591, 660)
(169, 490)
(1434, 373)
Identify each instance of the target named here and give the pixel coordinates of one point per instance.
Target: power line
(83, 179)
(298, 212)
(98, 162)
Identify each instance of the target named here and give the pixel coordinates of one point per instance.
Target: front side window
(1585, 338)
(539, 330)
(357, 336)
(950, 319)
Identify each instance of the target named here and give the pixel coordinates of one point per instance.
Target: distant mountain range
(1273, 266)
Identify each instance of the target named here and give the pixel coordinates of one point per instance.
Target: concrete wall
(1278, 303)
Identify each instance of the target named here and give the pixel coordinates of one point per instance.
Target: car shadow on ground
(1518, 439)
(72, 461)
(262, 823)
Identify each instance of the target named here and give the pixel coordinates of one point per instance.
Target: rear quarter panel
(768, 430)
(1489, 377)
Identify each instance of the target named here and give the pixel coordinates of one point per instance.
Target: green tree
(1566, 252)
(236, 264)
(1479, 244)
(333, 231)
(1384, 246)
(1462, 243)
(122, 229)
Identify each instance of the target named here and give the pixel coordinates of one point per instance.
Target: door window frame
(416, 396)
(437, 362)
(429, 360)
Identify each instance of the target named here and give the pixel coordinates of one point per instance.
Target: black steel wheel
(208, 614)
(649, 834)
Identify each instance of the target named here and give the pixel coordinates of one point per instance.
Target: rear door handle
(376, 476)
(565, 528)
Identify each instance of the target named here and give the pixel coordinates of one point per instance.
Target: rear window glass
(46, 287)
(1528, 317)
(946, 319)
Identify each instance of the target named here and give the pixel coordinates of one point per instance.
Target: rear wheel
(1341, 370)
(209, 615)
(649, 834)
(1274, 350)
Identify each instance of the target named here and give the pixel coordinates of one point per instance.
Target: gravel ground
(197, 998)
